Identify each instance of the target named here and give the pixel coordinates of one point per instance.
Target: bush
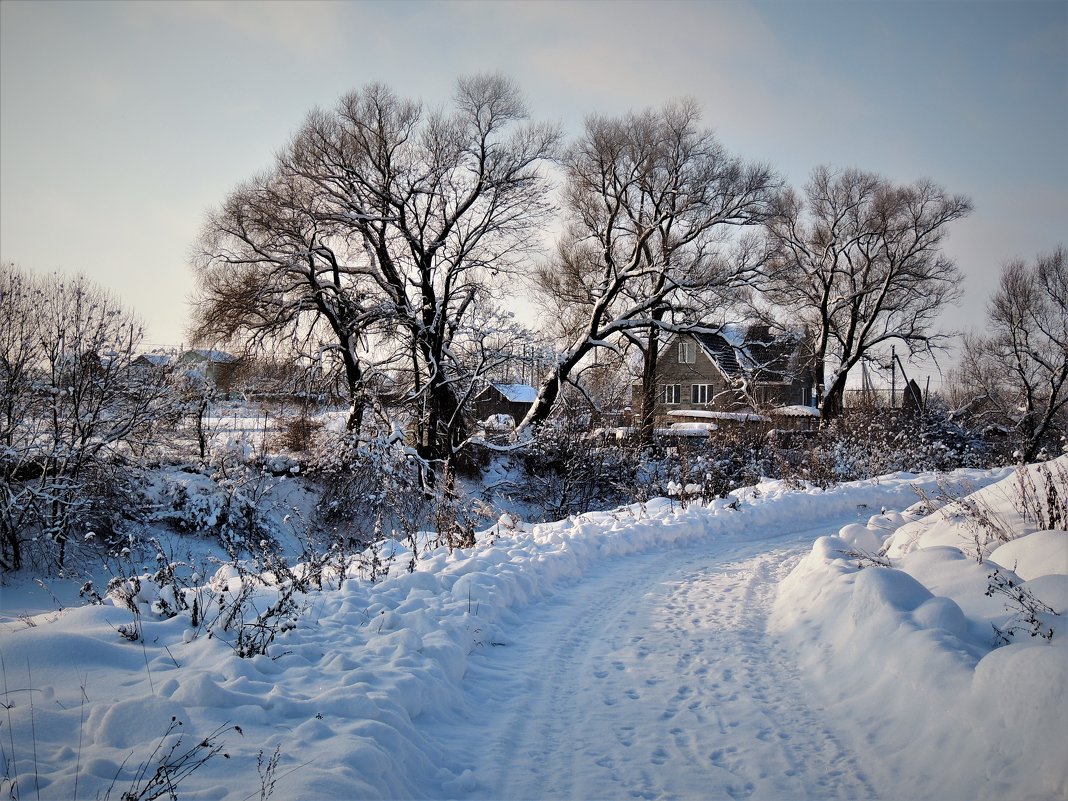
(867, 442)
(571, 470)
(299, 433)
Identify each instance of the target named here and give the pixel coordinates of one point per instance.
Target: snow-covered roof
(738, 350)
(795, 411)
(708, 414)
(689, 429)
(156, 359)
(517, 393)
(208, 355)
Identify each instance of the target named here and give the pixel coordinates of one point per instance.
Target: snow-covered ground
(733, 650)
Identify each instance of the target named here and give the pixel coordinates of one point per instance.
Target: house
(513, 400)
(741, 374)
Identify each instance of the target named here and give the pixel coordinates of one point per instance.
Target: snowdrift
(902, 647)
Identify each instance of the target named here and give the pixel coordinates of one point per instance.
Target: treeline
(390, 237)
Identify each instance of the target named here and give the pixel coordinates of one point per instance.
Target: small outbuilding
(513, 400)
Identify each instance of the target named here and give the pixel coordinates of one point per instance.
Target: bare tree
(858, 260)
(390, 227)
(81, 408)
(18, 355)
(650, 198)
(272, 273)
(1018, 371)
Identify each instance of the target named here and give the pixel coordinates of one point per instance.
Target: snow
(708, 414)
(903, 656)
(796, 411)
(1043, 553)
(518, 393)
(729, 649)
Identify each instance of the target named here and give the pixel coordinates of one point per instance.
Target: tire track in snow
(654, 677)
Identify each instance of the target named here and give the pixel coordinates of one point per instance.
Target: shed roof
(517, 393)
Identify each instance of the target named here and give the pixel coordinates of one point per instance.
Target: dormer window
(687, 351)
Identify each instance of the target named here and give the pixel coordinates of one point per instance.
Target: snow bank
(339, 694)
(902, 649)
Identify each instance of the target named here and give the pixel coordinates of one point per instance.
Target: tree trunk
(357, 393)
(550, 388)
(648, 399)
(833, 403)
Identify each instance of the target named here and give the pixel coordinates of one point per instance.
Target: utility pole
(893, 376)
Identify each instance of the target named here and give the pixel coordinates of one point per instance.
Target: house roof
(722, 353)
(517, 393)
(752, 351)
(710, 414)
(155, 359)
(795, 411)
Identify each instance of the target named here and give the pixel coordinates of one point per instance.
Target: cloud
(310, 27)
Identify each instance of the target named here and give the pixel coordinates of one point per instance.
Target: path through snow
(653, 677)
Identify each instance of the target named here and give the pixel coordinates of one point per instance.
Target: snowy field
(756, 647)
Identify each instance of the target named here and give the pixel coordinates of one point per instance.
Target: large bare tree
(272, 273)
(378, 232)
(1018, 369)
(650, 200)
(858, 260)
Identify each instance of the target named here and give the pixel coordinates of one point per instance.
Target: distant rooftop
(208, 355)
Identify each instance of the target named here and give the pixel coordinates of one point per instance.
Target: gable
(704, 365)
(741, 352)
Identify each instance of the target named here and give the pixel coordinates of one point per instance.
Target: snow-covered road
(653, 677)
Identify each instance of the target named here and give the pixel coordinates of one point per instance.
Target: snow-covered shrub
(706, 468)
(571, 470)
(227, 505)
(371, 489)
(867, 442)
(76, 411)
(66, 525)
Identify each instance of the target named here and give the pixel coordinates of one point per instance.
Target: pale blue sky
(121, 123)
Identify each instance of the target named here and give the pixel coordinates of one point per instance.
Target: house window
(701, 393)
(687, 351)
(673, 394)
